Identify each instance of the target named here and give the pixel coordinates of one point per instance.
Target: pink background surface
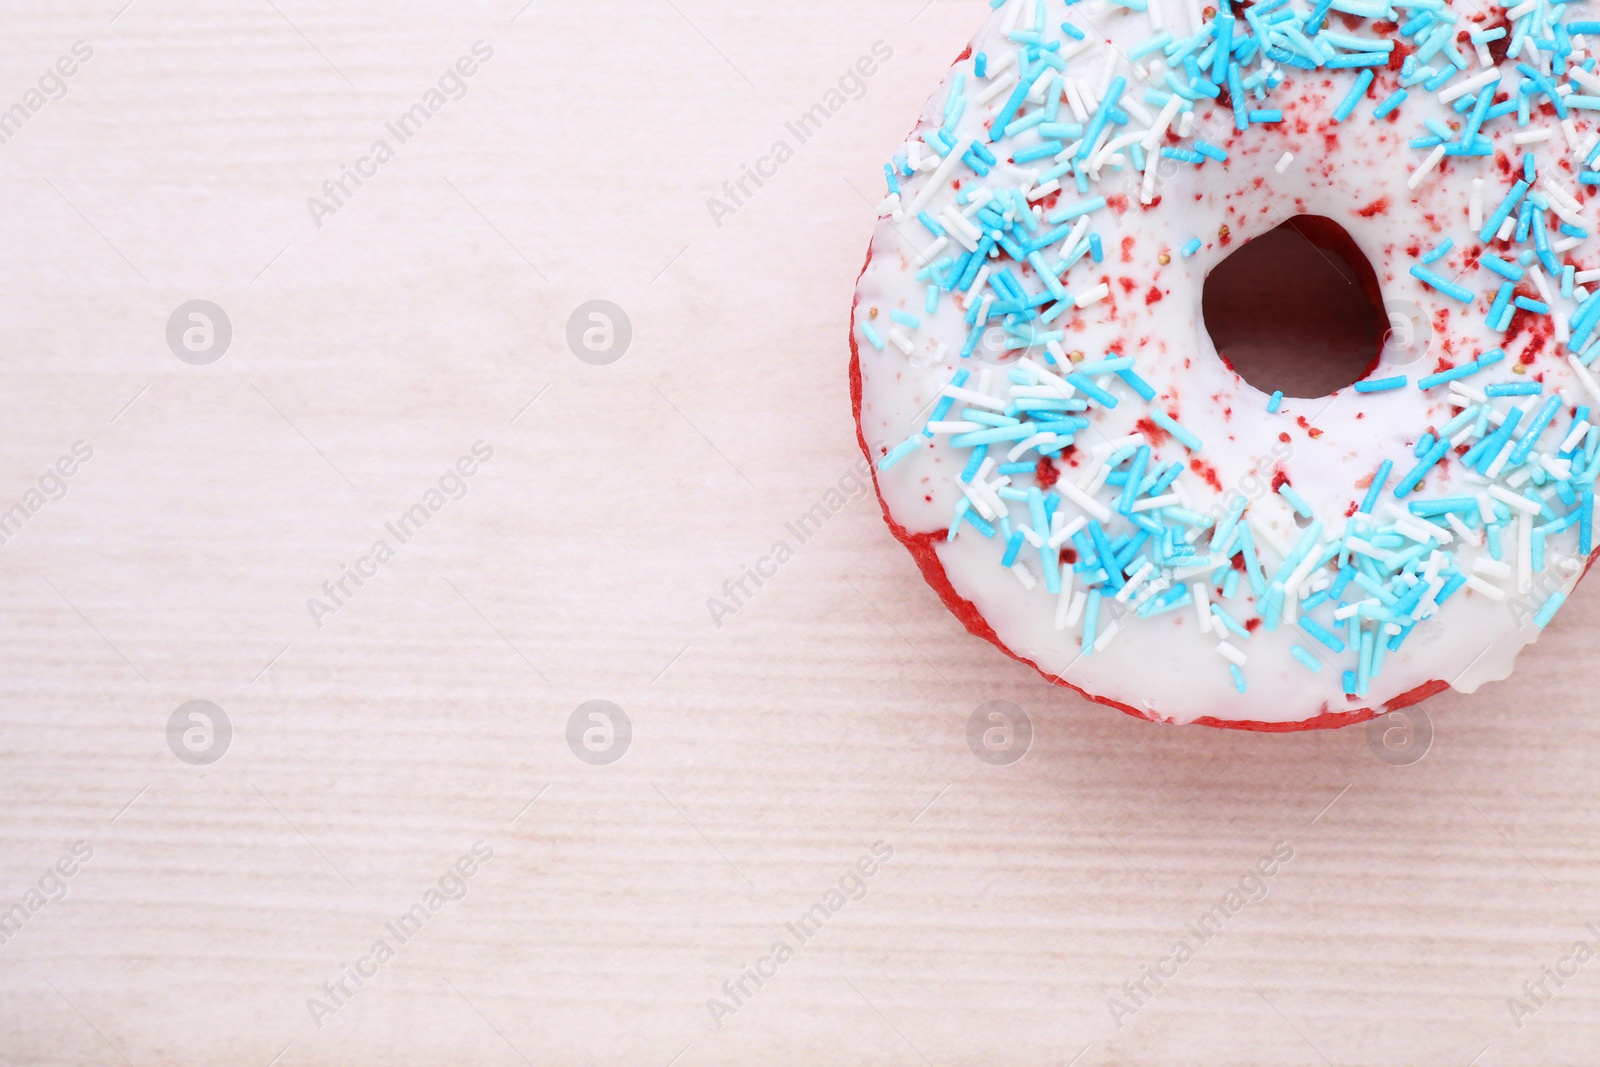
(768, 753)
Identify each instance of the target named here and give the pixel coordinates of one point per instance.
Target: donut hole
(1297, 309)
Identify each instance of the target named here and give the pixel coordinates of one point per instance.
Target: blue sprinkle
(1443, 285)
(1381, 385)
(907, 320)
(1137, 384)
(1379, 480)
(1172, 426)
(1186, 251)
(1392, 101)
(1501, 267)
(1312, 627)
(872, 336)
(1548, 611)
(1514, 389)
(1439, 251)
(1310, 662)
(1274, 402)
(1353, 97)
(1238, 677)
(1295, 500)
(1272, 115)
(901, 451)
(1013, 546)
(980, 65)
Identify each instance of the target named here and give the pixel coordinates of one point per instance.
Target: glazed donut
(1088, 485)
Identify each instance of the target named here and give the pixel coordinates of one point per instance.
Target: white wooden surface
(768, 753)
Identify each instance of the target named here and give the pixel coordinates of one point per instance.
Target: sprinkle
(1445, 286)
(1176, 429)
(1392, 101)
(1310, 626)
(1353, 97)
(1548, 610)
(1439, 251)
(1310, 662)
(1380, 385)
(1295, 500)
(1283, 162)
(1186, 251)
(872, 335)
(1238, 677)
(1422, 172)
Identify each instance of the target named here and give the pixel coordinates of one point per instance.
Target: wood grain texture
(768, 753)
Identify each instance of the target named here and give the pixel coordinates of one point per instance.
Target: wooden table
(378, 734)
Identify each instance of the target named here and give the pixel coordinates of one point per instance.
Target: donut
(1090, 486)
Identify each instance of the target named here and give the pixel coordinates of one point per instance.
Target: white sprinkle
(1513, 500)
(983, 400)
(932, 252)
(1423, 532)
(1039, 192)
(1560, 193)
(1468, 85)
(1066, 531)
(978, 500)
(1014, 16)
(1075, 100)
(1150, 503)
(1540, 284)
(1501, 458)
(1531, 136)
(1202, 605)
(1168, 112)
(1463, 531)
(1563, 323)
(1524, 551)
(1229, 652)
(1035, 441)
(1064, 601)
(955, 426)
(1283, 162)
(1000, 66)
(1493, 592)
(1079, 229)
(1084, 501)
(1024, 575)
(1572, 439)
(1506, 229)
(901, 341)
(1559, 469)
(1135, 582)
(1491, 568)
(1485, 509)
(945, 171)
(1080, 600)
(1105, 637)
(1093, 296)
(1566, 244)
(1584, 376)
(1584, 78)
(1427, 165)
(1475, 205)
